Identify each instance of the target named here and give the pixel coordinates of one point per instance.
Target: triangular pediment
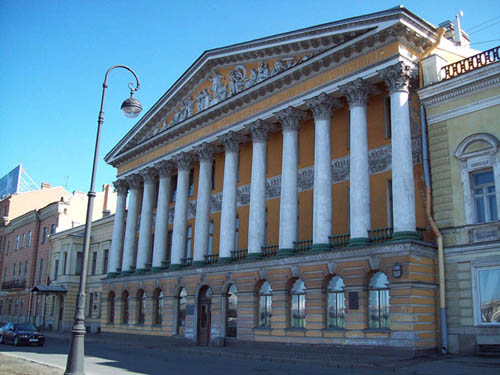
(225, 74)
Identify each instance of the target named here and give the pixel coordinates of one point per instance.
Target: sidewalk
(383, 360)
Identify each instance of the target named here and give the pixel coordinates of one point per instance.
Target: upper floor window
(29, 239)
(191, 182)
(40, 269)
(52, 228)
(23, 241)
(94, 263)
(480, 175)
(44, 234)
(17, 241)
(105, 261)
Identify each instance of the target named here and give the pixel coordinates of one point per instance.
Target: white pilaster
(321, 107)
(290, 119)
(130, 242)
(231, 142)
(257, 216)
(164, 169)
(205, 154)
(116, 255)
(397, 79)
(145, 246)
(183, 161)
(357, 93)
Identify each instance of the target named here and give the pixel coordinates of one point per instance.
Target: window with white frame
(29, 239)
(480, 176)
(486, 292)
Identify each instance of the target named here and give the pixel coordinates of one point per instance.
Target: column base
(174, 267)
(285, 252)
(319, 247)
(224, 260)
(113, 274)
(198, 263)
(156, 269)
(140, 271)
(125, 273)
(254, 256)
(405, 235)
(359, 241)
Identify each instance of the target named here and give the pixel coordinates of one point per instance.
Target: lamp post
(131, 108)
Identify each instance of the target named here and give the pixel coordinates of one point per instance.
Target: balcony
(14, 284)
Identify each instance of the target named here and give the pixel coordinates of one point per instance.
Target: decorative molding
(357, 92)
(262, 274)
(164, 168)
(322, 106)
(290, 118)
(464, 110)
(134, 181)
(205, 151)
(148, 174)
(294, 270)
(397, 77)
(260, 130)
(121, 186)
(229, 276)
(374, 262)
(183, 161)
(231, 141)
(332, 267)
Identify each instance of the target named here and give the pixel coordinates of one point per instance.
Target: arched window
(141, 306)
(157, 307)
(181, 312)
(111, 307)
(125, 307)
(231, 312)
(298, 305)
(378, 304)
(265, 304)
(335, 303)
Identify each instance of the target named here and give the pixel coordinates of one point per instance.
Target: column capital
(205, 151)
(397, 77)
(148, 174)
(231, 141)
(260, 130)
(290, 118)
(134, 181)
(322, 106)
(121, 186)
(357, 92)
(183, 161)
(164, 168)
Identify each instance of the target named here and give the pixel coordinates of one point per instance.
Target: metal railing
(14, 284)
(212, 258)
(469, 64)
(302, 246)
(340, 240)
(269, 251)
(187, 261)
(240, 254)
(380, 234)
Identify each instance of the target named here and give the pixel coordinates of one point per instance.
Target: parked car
(21, 334)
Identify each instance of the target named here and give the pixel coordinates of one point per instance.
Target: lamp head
(131, 107)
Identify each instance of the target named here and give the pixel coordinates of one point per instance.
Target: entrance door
(204, 316)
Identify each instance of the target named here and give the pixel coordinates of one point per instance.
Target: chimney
(45, 185)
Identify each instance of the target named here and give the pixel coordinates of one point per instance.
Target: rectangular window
(173, 183)
(189, 236)
(79, 263)
(52, 228)
(65, 261)
(23, 241)
(56, 269)
(40, 269)
(19, 271)
(486, 285)
(25, 270)
(387, 117)
(191, 182)
(211, 238)
(44, 234)
(17, 241)
(14, 272)
(94, 263)
(485, 201)
(105, 261)
(29, 239)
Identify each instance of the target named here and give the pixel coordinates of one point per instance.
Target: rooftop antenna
(458, 29)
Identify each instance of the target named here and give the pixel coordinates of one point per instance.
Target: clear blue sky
(54, 54)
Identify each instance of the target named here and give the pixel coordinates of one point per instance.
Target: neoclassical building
(275, 193)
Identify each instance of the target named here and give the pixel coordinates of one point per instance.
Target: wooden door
(204, 317)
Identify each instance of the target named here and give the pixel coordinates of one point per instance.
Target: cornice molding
(464, 110)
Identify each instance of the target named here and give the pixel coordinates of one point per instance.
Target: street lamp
(131, 108)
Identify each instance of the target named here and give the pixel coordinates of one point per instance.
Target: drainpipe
(428, 203)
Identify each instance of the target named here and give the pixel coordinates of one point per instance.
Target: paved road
(140, 356)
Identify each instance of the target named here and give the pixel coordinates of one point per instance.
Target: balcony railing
(380, 234)
(14, 284)
(302, 246)
(240, 254)
(469, 64)
(339, 240)
(269, 251)
(212, 258)
(187, 261)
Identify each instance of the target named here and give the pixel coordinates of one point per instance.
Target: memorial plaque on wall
(353, 301)
(189, 309)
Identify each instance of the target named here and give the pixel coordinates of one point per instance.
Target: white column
(257, 217)
(183, 161)
(321, 107)
(231, 142)
(357, 93)
(115, 257)
(130, 242)
(145, 246)
(205, 153)
(290, 121)
(164, 169)
(397, 79)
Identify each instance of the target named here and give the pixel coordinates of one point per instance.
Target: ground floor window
(232, 311)
(298, 305)
(125, 307)
(335, 304)
(378, 304)
(265, 304)
(487, 295)
(111, 307)
(181, 312)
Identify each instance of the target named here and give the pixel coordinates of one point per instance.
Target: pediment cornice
(324, 51)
